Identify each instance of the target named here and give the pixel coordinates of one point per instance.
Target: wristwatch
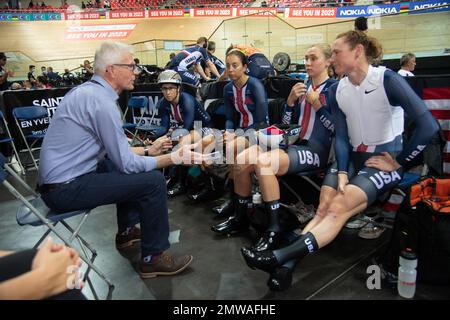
(146, 151)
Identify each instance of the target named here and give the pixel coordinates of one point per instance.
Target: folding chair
(302, 211)
(5, 137)
(138, 102)
(28, 114)
(34, 212)
(150, 129)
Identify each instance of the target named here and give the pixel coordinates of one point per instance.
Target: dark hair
(211, 46)
(203, 39)
(231, 47)
(31, 66)
(361, 24)
(238, 53)
(372, 48)
(406, 58)
(136, 60)
(42, 79)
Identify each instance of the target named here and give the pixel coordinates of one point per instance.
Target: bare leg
(326, 196)
(243, 170)
(269, 165)
(342, 208)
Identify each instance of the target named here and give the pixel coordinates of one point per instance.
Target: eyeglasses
(167, 89)
(131, 66)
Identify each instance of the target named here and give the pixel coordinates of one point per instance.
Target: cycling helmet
(169, 76)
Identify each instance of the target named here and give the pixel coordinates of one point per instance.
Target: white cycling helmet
(169, 76)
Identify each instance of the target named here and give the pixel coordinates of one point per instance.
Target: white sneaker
(15, 165)
(356, 222)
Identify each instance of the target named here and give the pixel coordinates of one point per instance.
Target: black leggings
(18, 263)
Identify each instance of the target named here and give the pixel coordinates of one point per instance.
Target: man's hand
(297, 91)
(185, 155)
(383, 162)
(159, 146)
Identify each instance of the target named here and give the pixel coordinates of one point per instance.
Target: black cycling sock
(241, 207)
(304, 245)
(273, 208)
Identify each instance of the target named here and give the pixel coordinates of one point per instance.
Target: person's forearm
(24, 287)
(201, 72)
(5, 253)
(138, 150)
(164, 161)
(213, 69)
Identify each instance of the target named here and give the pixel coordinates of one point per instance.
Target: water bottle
(257, 198)
(407, 274)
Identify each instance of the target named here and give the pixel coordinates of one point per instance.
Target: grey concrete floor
(218, 271)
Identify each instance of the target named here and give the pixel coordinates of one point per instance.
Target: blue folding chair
(5, 137)
(27, 115)
(134, 103)
(34, 212)
(149, 129)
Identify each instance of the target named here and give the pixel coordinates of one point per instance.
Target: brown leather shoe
(165, 265)
(128, 240)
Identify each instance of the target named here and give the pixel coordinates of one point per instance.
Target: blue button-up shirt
(86, 126)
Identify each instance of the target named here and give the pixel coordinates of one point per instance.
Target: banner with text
(83, 16)
(165, 13)
(310, 13)
(256, 11)
(211, 12)
(122, 14)
(49, 98)
(428, 4)
(38, 16)
(99, 32)
(364, 11)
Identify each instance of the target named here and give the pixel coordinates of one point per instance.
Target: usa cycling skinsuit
(311, 151)
(246, 107)
(183, 114)
(368, 120)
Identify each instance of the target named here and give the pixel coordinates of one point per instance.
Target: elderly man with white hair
(86, 162)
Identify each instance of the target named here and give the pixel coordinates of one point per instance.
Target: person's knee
(264, 165)
(336, 210)
(241, 170)
(321, 211)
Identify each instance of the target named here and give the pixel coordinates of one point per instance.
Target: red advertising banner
(310, 13)
(165, 13)
(119, 14)
(255, 11)
(82, 16)
(210, 12)
(99, 32)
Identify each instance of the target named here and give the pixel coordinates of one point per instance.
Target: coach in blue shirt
(74, 174)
